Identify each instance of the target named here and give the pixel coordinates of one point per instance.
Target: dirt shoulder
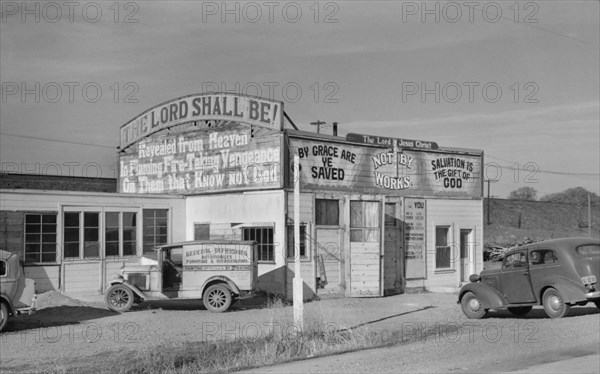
(66, 330)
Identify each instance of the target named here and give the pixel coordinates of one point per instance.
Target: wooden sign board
(250, 110)
(349, 167)
(222, 159)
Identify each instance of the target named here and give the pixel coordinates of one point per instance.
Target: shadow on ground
(259, 301)
(539, 313)
(56, 316)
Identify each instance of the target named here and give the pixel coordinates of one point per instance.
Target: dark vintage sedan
(556, 273)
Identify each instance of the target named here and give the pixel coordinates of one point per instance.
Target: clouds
(175, 48)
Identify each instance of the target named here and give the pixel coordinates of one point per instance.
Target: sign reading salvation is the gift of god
(201, 107)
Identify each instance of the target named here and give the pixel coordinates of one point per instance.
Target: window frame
(121, 233)
(448, 246)
(363, 228)
(149, 247)
(260, 245)
(102, 211)
(41, 233)
(199, 224)
(317, 211)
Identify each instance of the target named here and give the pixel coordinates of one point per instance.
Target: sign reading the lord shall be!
(250, 110)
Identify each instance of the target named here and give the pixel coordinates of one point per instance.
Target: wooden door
(393, 252)
(365, 248)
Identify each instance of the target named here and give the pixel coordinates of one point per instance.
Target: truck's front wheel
(217, 298)
(3, 315)
(119, 298)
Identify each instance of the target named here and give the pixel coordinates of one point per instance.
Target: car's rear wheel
(471, 306)
(217, 298)
(119, 298)
(520, 310)
(3, 315)
(554, 304)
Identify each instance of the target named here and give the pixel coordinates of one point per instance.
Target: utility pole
(298, 282)
(318, 123)
(488, 201)
(589, 216)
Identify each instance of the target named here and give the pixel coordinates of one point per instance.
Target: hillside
(539, 220)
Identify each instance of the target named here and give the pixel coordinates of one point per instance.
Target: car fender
(232, 286)
(8, 303)
(488, 297)
(134, 288)
(570, 291)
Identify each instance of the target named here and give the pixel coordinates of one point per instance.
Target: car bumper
(593, 295)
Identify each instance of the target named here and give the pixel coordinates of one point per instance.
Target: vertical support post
(488, 202)
(589, 216)
(298, 282)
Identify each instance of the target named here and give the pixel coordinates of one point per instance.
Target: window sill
(302, 259)
(52, 263)
(444, 271)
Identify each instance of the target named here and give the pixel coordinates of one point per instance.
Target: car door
(515, 280)
(543, 264)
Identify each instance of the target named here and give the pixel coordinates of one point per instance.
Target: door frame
(380, 199)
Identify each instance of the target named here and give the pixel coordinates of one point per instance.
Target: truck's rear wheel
(119, 298)
(217, 298)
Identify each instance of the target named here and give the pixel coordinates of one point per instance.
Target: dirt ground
(65, 331)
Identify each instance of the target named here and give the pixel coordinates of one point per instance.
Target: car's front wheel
(119, 298)
(217, 298)
(554, 304)
(3, 315)
(471, 306)
(520, 310)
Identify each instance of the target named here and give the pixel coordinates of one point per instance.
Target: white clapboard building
(379, 215)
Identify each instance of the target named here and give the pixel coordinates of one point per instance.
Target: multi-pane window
(40, 237)
(264, 237)
(81, 234)
(442, 247)
(120, 230)
(364, 221)
(327, 212)
(155, 228)
(291, 244)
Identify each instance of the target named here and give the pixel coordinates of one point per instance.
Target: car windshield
(589, 250)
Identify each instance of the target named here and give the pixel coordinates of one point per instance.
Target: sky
(519, 80)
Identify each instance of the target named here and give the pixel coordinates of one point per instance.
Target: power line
(58, 141)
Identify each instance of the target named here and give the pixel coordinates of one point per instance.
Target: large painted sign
(414, 238)
(347, 167)
(226, 256)
(220, 159)
(215, 106)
